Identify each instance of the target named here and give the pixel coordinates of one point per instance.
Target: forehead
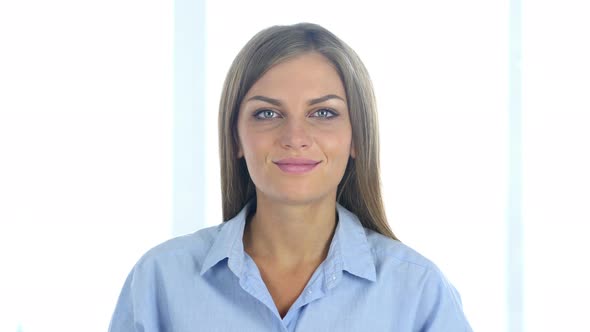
(306, 75)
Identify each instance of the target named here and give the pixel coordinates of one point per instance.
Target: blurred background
(108, 144)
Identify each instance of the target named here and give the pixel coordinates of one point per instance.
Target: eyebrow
(278, 103)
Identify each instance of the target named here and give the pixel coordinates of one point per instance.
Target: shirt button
(333, 277)
(309, 291)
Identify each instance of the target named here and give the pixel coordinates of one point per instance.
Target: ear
(352, 151)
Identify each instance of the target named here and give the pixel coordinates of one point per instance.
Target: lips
(296, 165)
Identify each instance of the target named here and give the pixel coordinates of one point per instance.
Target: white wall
(556, 164)
(85, 155)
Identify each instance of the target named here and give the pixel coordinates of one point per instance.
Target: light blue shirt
(205, 281)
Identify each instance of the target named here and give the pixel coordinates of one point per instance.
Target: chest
(353, 305)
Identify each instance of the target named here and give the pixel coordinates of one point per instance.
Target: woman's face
(294, 130)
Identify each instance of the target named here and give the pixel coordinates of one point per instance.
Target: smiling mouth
(297, 168)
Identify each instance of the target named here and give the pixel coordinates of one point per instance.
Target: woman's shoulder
(193, 246)
(390, 251)
(440, 305)
(398, 261)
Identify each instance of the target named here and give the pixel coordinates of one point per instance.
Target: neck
(288, 235)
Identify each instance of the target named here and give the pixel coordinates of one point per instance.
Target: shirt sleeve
(123, 317)
(137, 309)
(440, 308)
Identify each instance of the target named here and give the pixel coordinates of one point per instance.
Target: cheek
(338, 145)
(255, 146)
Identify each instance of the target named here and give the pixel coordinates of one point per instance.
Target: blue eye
(324, 113)
(266, 114)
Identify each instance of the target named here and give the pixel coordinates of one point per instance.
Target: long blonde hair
(360, 189)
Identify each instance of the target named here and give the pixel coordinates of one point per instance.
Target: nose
(295, 135)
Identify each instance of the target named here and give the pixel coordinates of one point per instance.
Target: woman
(306, 245)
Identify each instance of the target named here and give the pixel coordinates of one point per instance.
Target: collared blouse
(205, 281)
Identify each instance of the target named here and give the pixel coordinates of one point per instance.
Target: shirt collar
(228, 243)
(349, 250)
